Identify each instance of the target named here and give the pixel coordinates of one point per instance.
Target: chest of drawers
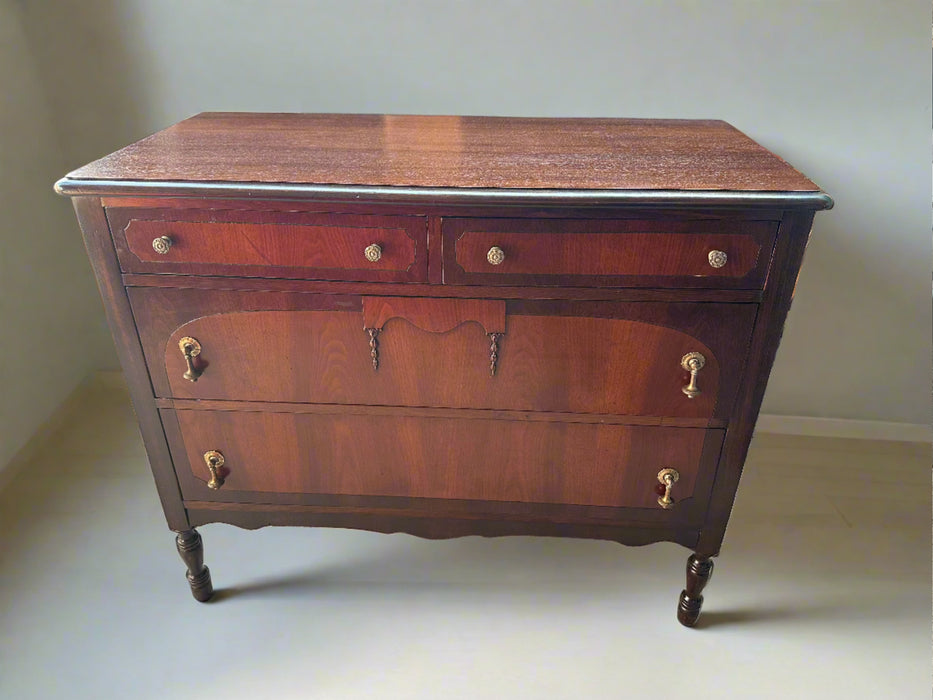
(447, 326)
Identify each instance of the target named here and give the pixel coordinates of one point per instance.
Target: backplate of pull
(666, 480)
(435, 316)
(190, 348)
(214, 461)
(693, 362)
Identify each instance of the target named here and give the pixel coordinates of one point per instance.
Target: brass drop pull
(190, 348)
(717, 258)
(495, 256)
(162, 244)
(214, 461)
(373, 252)
(494, 352)
(666, 480)
(373, 334)
(693, 362)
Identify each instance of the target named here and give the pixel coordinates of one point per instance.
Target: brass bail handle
(190, 348)
(667, 478)
(693, 362)
(214, 461)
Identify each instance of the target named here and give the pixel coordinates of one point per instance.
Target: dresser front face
(406, 368)
(351, 392)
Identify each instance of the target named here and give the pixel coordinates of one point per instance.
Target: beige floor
(822, 591)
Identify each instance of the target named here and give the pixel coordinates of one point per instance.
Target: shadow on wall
(92, 78)
(94, 90)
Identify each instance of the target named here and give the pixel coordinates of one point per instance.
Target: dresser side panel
(103, 259)
(793, 235)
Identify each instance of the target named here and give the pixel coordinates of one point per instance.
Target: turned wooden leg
(699, 570)
(192, 553)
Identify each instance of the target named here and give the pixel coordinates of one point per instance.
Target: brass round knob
(373, 252)
(717, 258)
(495, 256)
(161, 244)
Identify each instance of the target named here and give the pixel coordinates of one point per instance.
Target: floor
(823, 590)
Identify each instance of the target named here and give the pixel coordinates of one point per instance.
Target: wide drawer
(555, 356)
(251, 243)
(411, 456)
(686, 253)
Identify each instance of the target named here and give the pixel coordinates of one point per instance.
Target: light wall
(842, 90)
(52, 331)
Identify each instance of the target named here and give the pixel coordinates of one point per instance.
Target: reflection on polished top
(449, 152)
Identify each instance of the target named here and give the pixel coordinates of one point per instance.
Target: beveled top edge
(817, 200)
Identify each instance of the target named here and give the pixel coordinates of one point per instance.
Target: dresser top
(378, 156)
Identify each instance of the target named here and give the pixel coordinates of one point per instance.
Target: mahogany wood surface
(126, 339)
(733, 214)
(605, 252)
(435, 315)
(484, 413)
(699, 571)
(432, 525)
(785, 267)
(191, 549)
(446, 458)
(452, 152)
(248, 243)
(246, 284)
(606, 226)
(593, 357)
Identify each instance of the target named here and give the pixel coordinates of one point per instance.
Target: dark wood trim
(252, 284)
(357, 193)
(792, 240)
(464, 413)
(431, 526)
(440, 209)
(103, 258)
(435, 251)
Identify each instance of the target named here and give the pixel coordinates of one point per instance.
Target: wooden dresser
(447, 326)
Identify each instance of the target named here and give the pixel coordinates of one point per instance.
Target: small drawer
(252, 243)
(363, 452)
(684, 253)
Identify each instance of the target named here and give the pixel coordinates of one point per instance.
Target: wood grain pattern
(793, 235)
(485, 460)
(555, 356)
(435, 315)
(126, 339)
(483, 413)
(610, 253)
(271, 243)
(606, 224)
(266, 284)
(452, 152)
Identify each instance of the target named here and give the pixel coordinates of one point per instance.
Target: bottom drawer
(414, 455)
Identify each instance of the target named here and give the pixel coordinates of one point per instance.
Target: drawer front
(726, 254)
(271, 244)
(433, 457)
(575, 357)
